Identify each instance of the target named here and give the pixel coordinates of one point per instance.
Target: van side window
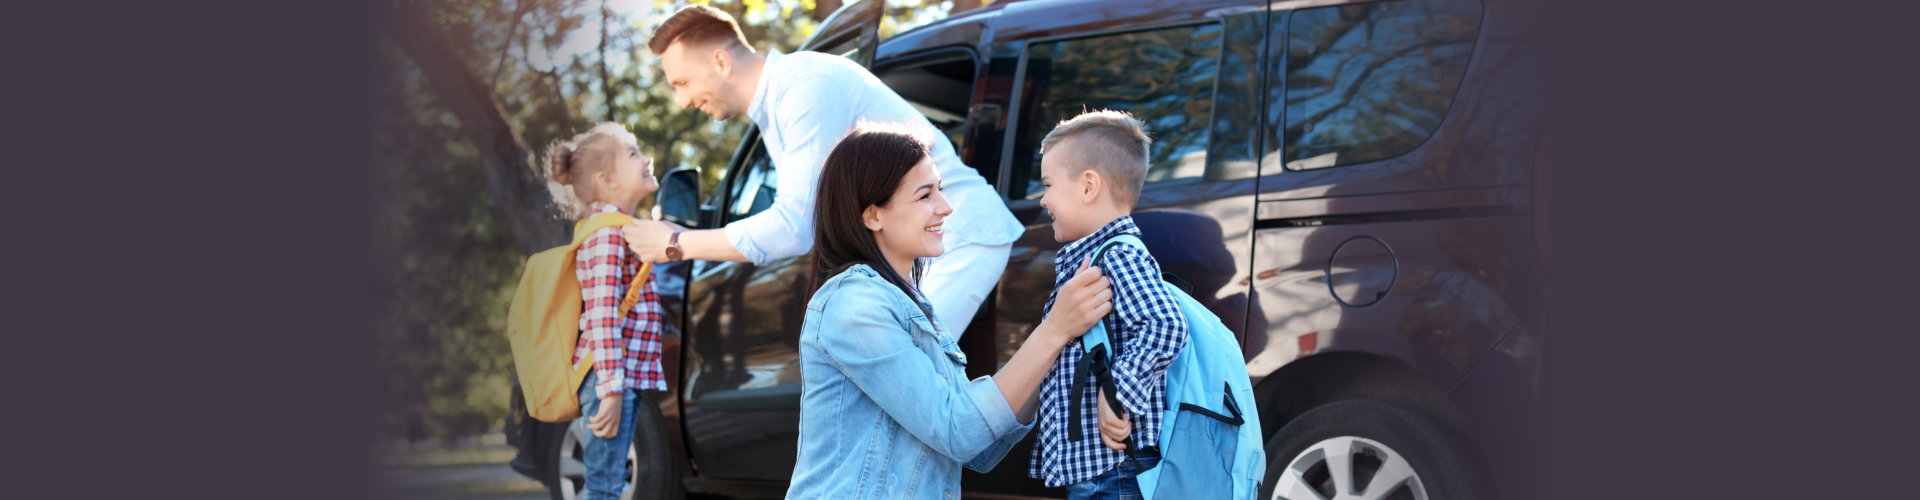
(1164, 77)
(754, 185)
(1371, 81)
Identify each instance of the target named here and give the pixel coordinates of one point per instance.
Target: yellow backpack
(543, 324)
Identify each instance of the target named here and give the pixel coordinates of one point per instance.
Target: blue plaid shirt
(1150, 331)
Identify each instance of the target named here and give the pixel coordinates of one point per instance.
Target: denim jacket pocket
(945, 342)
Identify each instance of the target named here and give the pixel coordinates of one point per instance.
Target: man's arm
(649, 240)
(811, 117)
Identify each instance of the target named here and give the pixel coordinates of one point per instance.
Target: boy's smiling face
(1067, 193)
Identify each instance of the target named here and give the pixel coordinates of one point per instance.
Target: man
(804, 102)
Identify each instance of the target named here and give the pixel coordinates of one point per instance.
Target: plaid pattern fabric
(1149, 330)
(625, 344)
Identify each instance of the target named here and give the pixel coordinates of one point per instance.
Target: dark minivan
(1356, 188)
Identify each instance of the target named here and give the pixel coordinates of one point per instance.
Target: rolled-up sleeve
(1142, 303)
(1000, 419)
(811, 117)
(871, 346)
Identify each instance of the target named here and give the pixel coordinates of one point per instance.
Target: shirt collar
(756, 110)
(1069, 257)
(600, 207)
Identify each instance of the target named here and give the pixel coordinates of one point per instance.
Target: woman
(886, 410)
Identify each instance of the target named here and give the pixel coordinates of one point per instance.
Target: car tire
(656, 473)
(1335, 451)
(651, 472)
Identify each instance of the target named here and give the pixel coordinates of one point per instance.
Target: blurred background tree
(469, 93)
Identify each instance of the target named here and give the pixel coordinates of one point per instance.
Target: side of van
(1357, 188)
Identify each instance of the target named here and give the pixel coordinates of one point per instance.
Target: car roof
(1050, 17)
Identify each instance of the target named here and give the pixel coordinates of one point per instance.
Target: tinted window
(1164, 77)
(939, 88)
(753, 187)
(1371, 81)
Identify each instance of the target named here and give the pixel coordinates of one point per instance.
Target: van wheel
(655, 472)
(650, 472)
(1363, 449)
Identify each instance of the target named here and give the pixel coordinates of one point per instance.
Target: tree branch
(606, 82)
(506, 44)
(519, 193)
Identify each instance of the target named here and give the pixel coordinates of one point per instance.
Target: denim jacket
(886, 410)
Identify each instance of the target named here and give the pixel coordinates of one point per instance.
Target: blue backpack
(1209, 444)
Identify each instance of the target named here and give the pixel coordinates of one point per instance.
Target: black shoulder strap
(1097, 365)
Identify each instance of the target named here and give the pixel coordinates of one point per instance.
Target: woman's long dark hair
(861, 171)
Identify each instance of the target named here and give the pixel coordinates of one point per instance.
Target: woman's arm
(1085, 298)
(863, 337)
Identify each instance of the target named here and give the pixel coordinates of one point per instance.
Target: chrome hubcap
(1349, 468)
(573, 465)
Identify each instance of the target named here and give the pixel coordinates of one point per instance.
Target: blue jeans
(1117, 483)
(606, 458)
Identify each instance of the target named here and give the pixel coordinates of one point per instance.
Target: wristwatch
(673, 246)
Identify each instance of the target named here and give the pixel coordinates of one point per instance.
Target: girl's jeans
(605, 458)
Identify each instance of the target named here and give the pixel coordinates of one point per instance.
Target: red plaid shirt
(625, 344)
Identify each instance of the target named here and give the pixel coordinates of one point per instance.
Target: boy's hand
(606, 422)
(1114, 428)
(647, 239)
(1083, 300)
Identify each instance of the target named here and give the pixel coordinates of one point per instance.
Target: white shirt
(804, 103)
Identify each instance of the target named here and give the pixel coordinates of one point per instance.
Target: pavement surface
(464, 468)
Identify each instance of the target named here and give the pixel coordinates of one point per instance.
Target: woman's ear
(871, 218)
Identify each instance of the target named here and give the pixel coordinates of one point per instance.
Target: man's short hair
(1116, 143)
(697, 25)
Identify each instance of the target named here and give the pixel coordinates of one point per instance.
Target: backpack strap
(1100, 337)
(586, 227)
(633, 288)
(1097, 365)
(592, 224)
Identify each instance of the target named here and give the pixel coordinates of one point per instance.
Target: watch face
(673, 253)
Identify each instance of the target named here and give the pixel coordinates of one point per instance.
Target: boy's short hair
(697, 25)
(1117, 144)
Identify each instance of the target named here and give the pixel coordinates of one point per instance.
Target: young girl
(605, 172)
(886, 410)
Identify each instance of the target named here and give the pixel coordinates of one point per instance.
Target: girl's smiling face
(633, 176)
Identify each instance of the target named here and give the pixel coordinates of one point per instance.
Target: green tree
(469, 93)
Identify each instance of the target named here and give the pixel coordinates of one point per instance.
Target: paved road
(491, 482)
(473, 467)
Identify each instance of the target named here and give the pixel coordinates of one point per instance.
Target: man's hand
(1114, 428)
(648, 239)
(606, 422)
(1083, 300)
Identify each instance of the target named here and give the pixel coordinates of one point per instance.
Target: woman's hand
(1083, 300)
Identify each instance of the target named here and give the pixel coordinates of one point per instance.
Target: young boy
(1093, 166)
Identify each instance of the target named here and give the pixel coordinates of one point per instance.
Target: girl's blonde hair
(570, 161)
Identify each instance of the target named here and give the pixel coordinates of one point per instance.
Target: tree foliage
(469, 95)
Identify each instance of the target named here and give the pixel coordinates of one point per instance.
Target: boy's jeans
(606, 458)
(1117, 483)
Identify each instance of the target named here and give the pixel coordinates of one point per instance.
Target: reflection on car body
(1351, 186)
